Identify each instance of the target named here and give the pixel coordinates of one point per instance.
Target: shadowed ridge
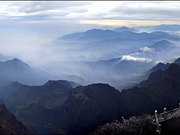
(177, 61)
(9, 125)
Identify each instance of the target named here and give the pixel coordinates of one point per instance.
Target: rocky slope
(9, 125)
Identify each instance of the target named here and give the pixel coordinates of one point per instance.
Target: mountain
(56, 107)
(83, 107)
(168, 27)
(17, 70)
(122, 72)
(131, 68)
(121, 29)
(161, 90)
(93, 34)
(45, 95)
(91, 105)
(96, 45)
(98, 34)
(162, 45)
(9, 125)
(36, 106)
(165, 28)
(159, 66)
(177, 61)
(13, 69)
(162, 66)
(138, 60)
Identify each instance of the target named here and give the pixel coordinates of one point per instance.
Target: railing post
(165, 109)
(157, 121)
(164, 113)
(123, 119)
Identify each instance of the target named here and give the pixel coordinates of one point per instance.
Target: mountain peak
(98, 89)
(173, 67)
(177, 61)
(161, 45)
(164, 42)
(159, 66)
(94, 30)
(16, 62)
(124, 28)
(16, 59)
(58, 84)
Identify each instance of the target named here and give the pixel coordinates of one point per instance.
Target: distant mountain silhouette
(91, 34)
(132, 62)
(17, 70)
(166, 28)
(121, 29)
(121, 72)
(162, 45)
(99, 34)
(131, 68)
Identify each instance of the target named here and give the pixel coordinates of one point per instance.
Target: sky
(27, 28)
(79, 11)
(62, 17)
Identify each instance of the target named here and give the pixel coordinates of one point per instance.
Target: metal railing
(166, 115)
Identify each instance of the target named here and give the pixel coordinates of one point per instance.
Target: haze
(30, 31)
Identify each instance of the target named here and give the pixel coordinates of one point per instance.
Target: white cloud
(48, 8)
(147, 49)
(129, 57)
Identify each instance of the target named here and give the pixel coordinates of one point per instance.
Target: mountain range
(127, 51)
(121, 29)
(165, 28)
(99, 34)
(130, 68)
(58, 107)
(106, 44)
(68, 108)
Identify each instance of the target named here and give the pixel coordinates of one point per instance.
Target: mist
(84, 61)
